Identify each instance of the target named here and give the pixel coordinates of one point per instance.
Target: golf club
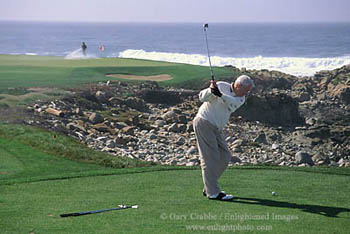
(205, 26)
(121, 207)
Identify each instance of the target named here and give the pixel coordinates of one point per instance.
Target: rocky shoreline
(287, 121)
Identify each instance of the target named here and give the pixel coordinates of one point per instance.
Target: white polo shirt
(217, 110)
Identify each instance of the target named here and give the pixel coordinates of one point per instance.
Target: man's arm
(206, 95)
(233, 103)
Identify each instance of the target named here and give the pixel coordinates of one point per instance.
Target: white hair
(244, 80)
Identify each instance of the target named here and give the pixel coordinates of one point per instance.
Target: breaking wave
(291, 65)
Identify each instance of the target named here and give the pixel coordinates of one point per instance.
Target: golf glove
(216, 91)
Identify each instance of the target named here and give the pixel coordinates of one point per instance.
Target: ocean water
(298, 49)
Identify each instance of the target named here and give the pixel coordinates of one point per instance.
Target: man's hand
(214, 89)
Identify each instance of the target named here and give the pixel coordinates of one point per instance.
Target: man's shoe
(222, 197)
(205, 193)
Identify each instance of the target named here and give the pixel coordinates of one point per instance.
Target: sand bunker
(160, 77)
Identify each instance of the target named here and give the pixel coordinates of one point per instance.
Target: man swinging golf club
(219, 101)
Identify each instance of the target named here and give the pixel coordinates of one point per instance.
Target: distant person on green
(83, 48)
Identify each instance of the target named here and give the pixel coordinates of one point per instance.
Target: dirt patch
(161, 77)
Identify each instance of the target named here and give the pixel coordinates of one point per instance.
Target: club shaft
(93, 212)
(206, 40)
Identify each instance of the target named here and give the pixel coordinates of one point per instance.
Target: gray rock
(275, 146)
(102, 139)
(311, 121)
(96, 118)
(129, 130)
(174, 128)
(303, 157)
(273, 136)
(321, 159)
(334, 164)
(160, 123)
(190, 164)
(237, 143)
(120, 125)
(261, 138)
(101, 96)
(304, 96)
(121, 140)
(110, 144)
(101, 127)
(78, 126)
(169, 116)
(136, 103)
(235, 159)
(182, 119)
(153, 136)
(180, 141)
(237, 150)
(192, 150)
(189, 128)
(182, 128)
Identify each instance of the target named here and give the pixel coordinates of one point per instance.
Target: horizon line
(177, 22)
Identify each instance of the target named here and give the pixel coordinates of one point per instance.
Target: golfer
(83, 48)
(219, 101)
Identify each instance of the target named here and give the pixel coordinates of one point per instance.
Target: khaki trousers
(214, 154)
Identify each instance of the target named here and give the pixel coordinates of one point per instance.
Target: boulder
(261, 138)
(174, 128)
(128, 130)
(136, 103)
(169, 116)
(111, 144)
(321, 159)
(159, 123)
(180, 141)
(273, 109)
(192, 150)
(342, 92)
(96, 118)
(159, 96)
(101, 127)
(303, 157)
(321, 132)
(101, 96)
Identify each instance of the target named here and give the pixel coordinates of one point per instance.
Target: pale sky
(177, 10)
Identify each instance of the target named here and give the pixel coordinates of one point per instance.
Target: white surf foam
(31, 54)
(291, 65)
(78, 54)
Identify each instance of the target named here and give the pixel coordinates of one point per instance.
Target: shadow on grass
(315, 209)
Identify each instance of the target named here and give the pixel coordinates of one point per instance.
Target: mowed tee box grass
(42, 177)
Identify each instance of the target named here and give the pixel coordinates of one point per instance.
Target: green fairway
(54, 75)
(44, 71)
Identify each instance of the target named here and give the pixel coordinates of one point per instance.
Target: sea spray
(297, 66)
(78, 54)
